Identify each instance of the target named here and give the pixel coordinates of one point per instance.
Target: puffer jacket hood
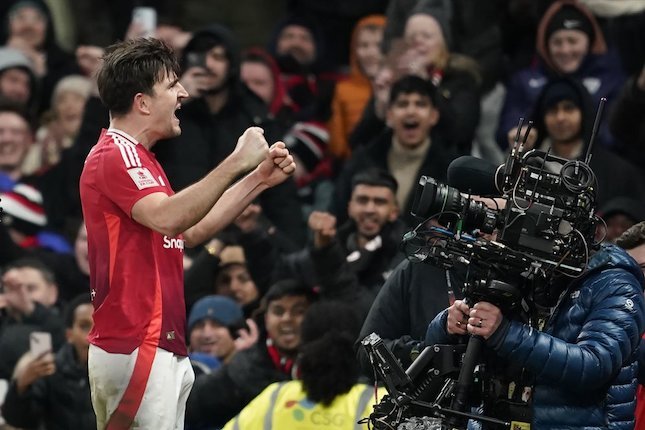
(598, 47)
(612, 257)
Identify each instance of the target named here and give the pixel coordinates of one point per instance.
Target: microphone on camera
(474, 175)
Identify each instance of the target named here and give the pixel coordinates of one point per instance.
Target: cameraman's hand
(458, 318)
(484, 319)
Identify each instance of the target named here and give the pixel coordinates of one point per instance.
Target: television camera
(513, 250)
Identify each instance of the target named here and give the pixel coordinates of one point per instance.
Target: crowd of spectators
(367, 95)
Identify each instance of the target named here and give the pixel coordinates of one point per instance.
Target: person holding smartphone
(137, 228)
(28, 303)
(53, 389)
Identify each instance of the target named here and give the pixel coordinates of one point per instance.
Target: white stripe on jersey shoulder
(128, 153)
(122, 133)
(124, 154)
(127, 145)
(132, 147)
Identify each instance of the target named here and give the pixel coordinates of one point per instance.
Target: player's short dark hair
(632, 237)
(133, 67)
(412, 84)
(72, 305)
(375, 177)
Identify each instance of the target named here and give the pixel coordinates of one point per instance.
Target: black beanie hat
(559, 91)
(570, 18)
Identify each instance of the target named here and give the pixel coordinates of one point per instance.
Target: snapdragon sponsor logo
(170, 243)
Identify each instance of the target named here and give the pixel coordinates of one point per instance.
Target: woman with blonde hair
(456, 76)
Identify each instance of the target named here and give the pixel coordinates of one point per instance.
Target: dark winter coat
(61, 401)
(585, 361)
(411, 297)
(216, 398)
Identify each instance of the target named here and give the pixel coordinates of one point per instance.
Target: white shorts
(147, 389)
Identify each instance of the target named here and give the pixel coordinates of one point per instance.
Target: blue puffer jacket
(585, 361)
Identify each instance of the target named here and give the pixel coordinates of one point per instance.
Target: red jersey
(136, 274)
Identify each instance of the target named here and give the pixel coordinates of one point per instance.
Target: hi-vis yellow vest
(284, 406)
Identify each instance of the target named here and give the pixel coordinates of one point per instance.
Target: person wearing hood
(352, 94)
(220, 108)
(261, 74)
(29, 28)
(563, 120)
(569, 43)
(299, 50)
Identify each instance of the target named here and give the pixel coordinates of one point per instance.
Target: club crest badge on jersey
(142, 178)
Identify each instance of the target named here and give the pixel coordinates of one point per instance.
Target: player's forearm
(226, 209)
(183, 210)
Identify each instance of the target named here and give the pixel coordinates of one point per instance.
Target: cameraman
(583, 361)
(633, 241)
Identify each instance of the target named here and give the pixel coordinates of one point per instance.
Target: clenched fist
(251, 148)
(323, 225)
(277, 166)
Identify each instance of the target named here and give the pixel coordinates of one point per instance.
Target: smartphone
(146, 17)
(40, 342)
(196, 59)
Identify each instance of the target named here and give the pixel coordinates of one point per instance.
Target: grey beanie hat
(11, 58)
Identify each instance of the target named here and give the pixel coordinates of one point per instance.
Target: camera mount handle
(465, 379)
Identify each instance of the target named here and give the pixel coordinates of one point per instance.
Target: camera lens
(433, 198)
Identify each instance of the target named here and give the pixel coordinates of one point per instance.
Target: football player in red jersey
(137, 228)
